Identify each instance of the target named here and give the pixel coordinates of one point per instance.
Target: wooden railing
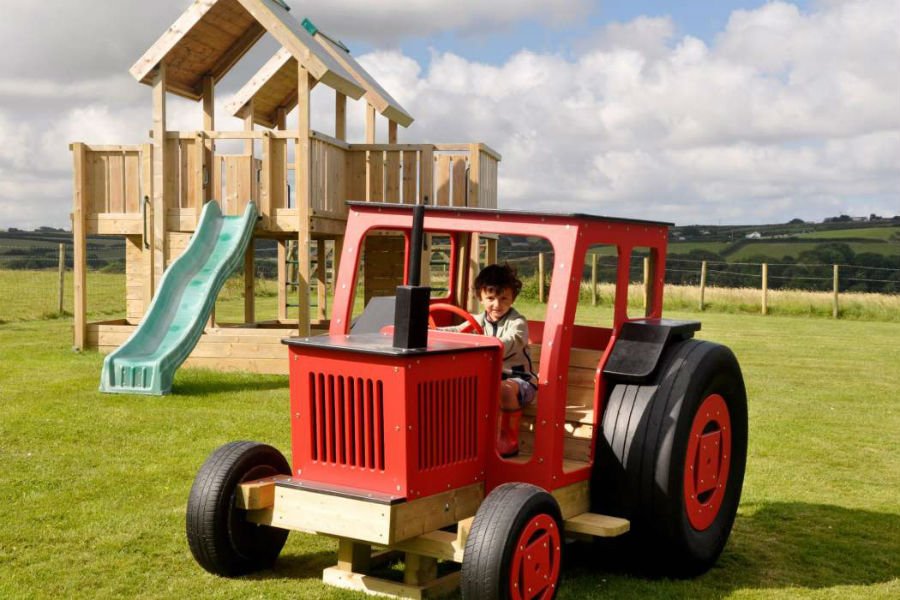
(114, 181)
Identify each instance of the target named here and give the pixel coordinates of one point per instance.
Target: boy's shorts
(527, 391)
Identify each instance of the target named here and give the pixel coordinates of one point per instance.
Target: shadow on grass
(223, 384)
(297, 566)
(772, 546)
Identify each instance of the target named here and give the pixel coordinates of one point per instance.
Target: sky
(696, 111)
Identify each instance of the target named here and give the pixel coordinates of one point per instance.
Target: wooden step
(597, 525)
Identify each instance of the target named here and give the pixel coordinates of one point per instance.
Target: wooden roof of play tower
(211, 36)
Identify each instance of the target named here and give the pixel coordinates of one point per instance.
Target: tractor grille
(448, 421)
(347, 420)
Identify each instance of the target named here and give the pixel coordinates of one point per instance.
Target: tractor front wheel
(221, 539)
(514, 548)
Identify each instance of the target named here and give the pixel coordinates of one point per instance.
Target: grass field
(776, 251)
(874, 233)
(94, 486)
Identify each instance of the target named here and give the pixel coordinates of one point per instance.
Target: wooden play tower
(300, 179)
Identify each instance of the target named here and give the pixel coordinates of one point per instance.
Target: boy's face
(496, 302)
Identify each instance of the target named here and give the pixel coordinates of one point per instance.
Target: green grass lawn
(94, 486)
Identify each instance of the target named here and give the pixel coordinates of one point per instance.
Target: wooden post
(646, 284)
(248, 126)
(836, 308)
(702, 284)
(79, 246)
(147, 256)
(354, 557)
(159, 174)
(282, 281)
(765, 288)
(62, 278)
(305, 82)
(370, 124)
(420, 570)
(392, 132)
(209, 146)
(541, 277)
(340, 116)
(594, 298)
(474, 175)
(249, 285)
(321, 281)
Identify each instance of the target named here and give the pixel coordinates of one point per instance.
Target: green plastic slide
(147, 361)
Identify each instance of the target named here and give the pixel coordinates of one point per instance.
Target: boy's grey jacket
(512, 331)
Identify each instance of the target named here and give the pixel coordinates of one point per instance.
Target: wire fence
(28, 294)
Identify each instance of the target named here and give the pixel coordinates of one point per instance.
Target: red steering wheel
(472, 325)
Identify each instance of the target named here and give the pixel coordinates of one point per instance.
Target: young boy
(497, 287)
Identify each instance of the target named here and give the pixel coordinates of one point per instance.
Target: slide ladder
(147, 361)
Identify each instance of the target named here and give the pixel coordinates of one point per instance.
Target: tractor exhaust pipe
(411, 309)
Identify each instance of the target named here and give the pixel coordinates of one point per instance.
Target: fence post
(593, 280)
(62, 277)
(836, 309)
(541, 277)
(646, 282)
(702, 284)
(765, 288)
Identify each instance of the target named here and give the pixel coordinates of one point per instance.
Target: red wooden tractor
(639, 430)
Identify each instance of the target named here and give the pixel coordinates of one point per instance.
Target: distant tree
(796, 221)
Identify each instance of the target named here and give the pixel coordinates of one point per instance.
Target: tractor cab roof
(492, 213)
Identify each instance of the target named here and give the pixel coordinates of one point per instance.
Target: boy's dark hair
(494, 278)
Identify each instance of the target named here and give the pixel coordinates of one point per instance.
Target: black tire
(642, 458)
(222, 541)
(491, 548)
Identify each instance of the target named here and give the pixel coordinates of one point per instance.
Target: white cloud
(784, 113)
(386, 21)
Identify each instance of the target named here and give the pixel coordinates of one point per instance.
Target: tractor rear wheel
(671, 458)
(221, 539)
(514, 547)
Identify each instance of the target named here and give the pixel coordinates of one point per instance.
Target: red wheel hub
(707, 461)
(534, 572)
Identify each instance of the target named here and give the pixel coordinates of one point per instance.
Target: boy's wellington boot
(508, 437)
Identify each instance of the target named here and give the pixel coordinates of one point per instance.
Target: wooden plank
(442, 180)
(459, 182)
(439, 544)
(375, 176)
(392, 176)
(474, 175)
(355, 175)
(426, 175)
(409, 183)
(597, 525)
(573, 499)
(256, 495)
(375, 586)
(417, 517)
(246, 365)
(132, 170)
(350, 518)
